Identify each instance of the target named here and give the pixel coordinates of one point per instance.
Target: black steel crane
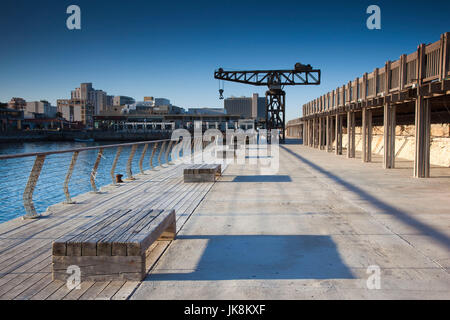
(275, 80)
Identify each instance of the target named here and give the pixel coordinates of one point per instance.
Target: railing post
(29, 189)
(130, 162)
(444, 56)
(94, 169)
(402, 72)
(155, 146)
(167, 152)
(68, 176)
(161, 152)
(141, 160)
(113, 168)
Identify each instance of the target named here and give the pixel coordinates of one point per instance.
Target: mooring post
(29, 189)
(68, 176)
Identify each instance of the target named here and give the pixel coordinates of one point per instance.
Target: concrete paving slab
(311, 232)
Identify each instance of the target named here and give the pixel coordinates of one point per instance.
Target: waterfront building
(10, 119)
(98, 98)
(109, 102)
(122, 100)
(17, 104)
(77, 110)
(39, 109)
(247, 107)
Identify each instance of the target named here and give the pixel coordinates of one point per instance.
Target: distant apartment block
(246, 107)
(17, 104)
(76, 110)
(39, 109)
(157, 101)
(98, 98)
(122, 100)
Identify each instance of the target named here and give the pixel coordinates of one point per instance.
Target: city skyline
(172, 49)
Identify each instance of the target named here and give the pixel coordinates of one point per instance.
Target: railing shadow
(238, 257)
(382, 206)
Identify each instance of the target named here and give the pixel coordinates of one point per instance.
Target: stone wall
(405, 142)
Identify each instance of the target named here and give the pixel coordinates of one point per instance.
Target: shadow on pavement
(237, 257)
(382, 206)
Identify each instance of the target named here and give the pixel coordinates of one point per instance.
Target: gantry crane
(275, 80)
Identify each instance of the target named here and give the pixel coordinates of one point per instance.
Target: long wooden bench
(202, 172)
(113, 246)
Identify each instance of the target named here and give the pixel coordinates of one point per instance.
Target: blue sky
(171, 48)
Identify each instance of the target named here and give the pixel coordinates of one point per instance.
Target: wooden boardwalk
(25, 245)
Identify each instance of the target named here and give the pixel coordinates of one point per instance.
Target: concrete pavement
(311, 232)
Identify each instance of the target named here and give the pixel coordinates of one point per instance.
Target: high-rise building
(109, 102)
(76, 110)
(97, 98)
(246, 107)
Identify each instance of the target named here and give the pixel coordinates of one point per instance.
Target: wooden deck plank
(76, 294)
(30, 291)
(93, 291)
(25, 246)
(32, 242)
(110, 290)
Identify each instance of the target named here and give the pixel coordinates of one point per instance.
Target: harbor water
(14, 173)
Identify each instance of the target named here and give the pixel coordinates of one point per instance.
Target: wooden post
(314, 132)
(329, 137)
(338, 128)
(389, 136)
(320, 133)
(422, 122)
(350, 134)
(366, 135)
(353, 134)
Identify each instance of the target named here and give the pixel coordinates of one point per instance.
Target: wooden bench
(113, 246)
(202, 173)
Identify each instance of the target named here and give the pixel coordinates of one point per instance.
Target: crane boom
(269, 77)
(274, 80)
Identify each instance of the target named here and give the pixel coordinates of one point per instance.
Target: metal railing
(167, 150)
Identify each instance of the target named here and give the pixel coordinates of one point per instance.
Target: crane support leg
(275, 115)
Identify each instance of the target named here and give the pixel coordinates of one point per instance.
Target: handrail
(32, 154)
(41, 156)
